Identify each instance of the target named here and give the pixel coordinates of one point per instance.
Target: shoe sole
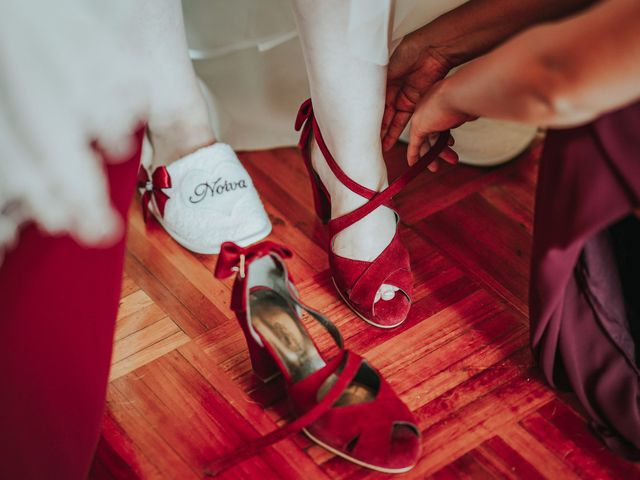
(214, 250)
(370, 322)
(355, 460)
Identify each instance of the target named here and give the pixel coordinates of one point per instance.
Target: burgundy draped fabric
(585, 272)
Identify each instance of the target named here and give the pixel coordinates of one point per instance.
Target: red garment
(585, 269)
(58, 305)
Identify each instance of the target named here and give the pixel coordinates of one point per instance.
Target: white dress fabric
(248, 54)
(68, 76)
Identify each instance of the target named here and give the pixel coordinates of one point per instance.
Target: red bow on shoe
(153, 188)
(234, 258)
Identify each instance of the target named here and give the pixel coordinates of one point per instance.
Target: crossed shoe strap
(322, 320)
(306, 123)
(385, 196)
(351, 366)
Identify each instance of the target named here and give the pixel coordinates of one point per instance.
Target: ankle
(366, 168)
(179, 130)
(177, 140)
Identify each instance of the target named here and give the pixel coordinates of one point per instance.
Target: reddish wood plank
(461, 360)
(471, 425)
(567, 421)
(471, 466)
(535, 453)
(164, 298)
(492, 247)
(500, 457)
(193, 418)
(178, 270)
(431, 193)
(563, 446)
(115, 457)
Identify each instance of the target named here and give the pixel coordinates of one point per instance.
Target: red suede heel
(321, 199)
(262, 362)
(357, 281)
(342, 404)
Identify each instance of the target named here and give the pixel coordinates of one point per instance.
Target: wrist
(424, 42)
(440, 96)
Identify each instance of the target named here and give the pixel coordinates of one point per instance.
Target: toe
(391, 313)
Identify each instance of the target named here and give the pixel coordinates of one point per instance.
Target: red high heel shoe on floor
(358, 281)
(343, 404)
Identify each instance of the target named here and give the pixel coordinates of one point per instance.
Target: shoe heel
(262, 362)
(321, 200)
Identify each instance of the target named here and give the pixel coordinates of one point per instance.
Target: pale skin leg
(178, 119)
(348, 100)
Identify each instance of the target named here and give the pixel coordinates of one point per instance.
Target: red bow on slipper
(153, 188)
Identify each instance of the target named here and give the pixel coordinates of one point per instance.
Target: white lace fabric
(68, 76)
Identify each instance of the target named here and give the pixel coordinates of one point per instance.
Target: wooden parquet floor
(181, 390)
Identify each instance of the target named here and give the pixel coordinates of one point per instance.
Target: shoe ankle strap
(306, 123)
(328, 325)
(384, 197)
(350, 364)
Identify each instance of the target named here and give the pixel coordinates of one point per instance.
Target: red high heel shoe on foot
(358, 281)
(344, 405)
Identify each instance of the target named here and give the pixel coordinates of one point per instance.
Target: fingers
(396, 127)
(448, 155)
(434, 166)
(389, 106)
(404, 104)
(417, 139)
(387, 116)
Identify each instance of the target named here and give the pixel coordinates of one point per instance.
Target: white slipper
(486, 142)
(205, 199)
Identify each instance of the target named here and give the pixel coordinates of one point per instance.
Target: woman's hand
(413, 69)
(434, 114)
(474, 28)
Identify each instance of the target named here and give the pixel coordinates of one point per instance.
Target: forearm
(558, 74)
(477, 26)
